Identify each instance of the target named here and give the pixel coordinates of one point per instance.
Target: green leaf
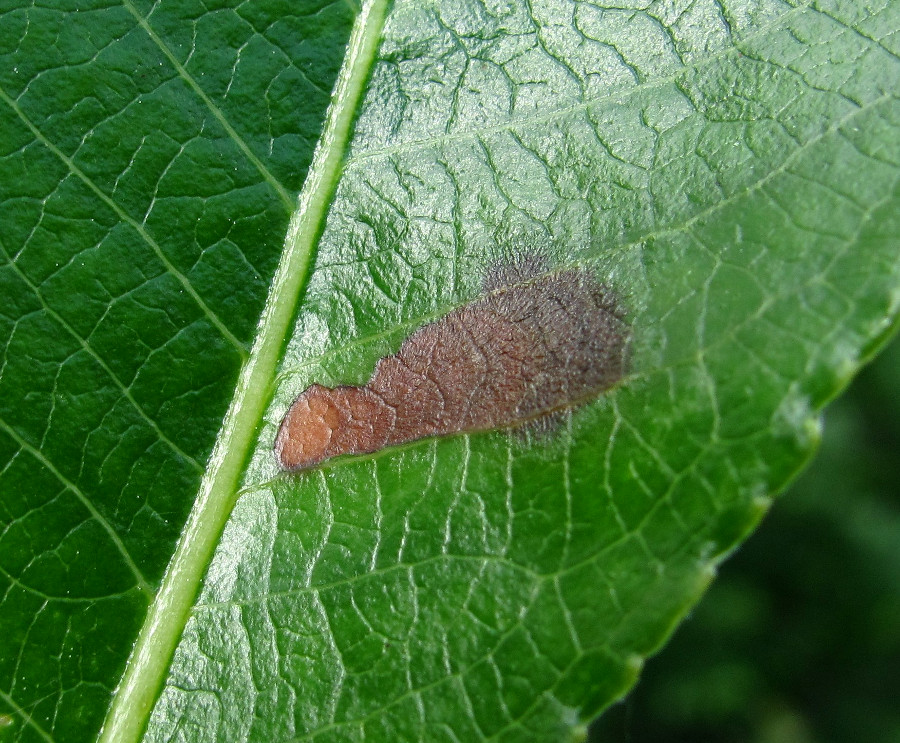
(731, 170)
(150, 153)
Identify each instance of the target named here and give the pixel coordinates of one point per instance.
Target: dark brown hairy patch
(533, 345)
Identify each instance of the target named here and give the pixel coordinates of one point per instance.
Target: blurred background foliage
(798, 639)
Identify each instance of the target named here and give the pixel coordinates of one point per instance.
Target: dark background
(798, 639)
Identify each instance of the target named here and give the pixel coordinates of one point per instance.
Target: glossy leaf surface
(733, 183)
(730, 170)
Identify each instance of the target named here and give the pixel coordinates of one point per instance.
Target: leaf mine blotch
(533, 345)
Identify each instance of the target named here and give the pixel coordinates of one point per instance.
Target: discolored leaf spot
(534, 344)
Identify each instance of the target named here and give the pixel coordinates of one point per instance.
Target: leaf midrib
(144, 674)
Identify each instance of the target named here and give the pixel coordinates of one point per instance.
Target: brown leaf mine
(531, 346)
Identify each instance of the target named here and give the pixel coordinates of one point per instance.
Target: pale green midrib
(129, 220)
(144, 674)
(286, 198)
(88, 349)
(141, 582)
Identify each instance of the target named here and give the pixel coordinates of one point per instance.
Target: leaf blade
(476, 587)
(168, 613)
(113, 243)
